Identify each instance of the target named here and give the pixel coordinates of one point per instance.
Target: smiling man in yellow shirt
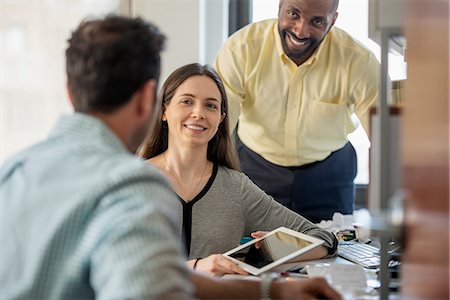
(295, 85)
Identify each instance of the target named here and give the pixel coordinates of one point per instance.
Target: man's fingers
(323, 289)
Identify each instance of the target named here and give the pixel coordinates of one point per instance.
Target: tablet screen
(270, 249)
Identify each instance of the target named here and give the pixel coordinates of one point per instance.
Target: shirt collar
(278, 44)
(84, 127)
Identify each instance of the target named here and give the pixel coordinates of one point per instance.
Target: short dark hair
(335, 5)
(109, 59)
(220, 148)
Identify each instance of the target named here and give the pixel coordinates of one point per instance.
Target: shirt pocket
(328, 121)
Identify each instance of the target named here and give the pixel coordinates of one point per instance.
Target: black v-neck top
(231, 207)
(187, 209)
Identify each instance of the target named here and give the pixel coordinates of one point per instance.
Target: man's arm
(216, 288)
(134, 248)
(365, 87)
(230, 66)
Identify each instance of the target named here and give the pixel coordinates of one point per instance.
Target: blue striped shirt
(82, 218)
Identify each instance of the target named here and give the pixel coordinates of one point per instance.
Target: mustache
(300, 39)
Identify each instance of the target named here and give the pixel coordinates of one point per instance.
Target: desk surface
(370, 292)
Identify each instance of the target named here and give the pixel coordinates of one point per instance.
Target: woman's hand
(256, 235)
(218, 265)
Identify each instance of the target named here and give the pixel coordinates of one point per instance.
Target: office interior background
(32, 75)
(34, 34)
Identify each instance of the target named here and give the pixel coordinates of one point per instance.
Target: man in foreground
(82, 217)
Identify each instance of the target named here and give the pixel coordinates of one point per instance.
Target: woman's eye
(186, 101)
(211, 106)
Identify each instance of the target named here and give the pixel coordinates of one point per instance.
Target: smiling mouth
(195, 127)
(296, 42)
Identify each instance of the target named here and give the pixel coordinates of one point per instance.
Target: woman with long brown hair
(219, 205)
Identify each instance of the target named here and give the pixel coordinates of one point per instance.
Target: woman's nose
(198, 112)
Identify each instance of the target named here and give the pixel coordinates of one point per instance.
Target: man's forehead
(318, 6)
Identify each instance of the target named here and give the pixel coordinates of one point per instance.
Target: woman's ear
(222, 117)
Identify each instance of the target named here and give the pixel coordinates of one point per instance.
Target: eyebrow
(299, 11)
(321, 18)
(190, 95)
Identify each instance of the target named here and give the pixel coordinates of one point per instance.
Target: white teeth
(195, 127)
(296, 42)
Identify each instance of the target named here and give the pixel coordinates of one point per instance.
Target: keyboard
(366, 255)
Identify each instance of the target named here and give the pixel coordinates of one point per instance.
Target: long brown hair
(220, 148)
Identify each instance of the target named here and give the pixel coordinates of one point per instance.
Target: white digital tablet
(275, 248)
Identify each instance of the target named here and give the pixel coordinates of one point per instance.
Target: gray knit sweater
(230, 207)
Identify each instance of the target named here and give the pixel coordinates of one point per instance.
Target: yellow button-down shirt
(294, 115)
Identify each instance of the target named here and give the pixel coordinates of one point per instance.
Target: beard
(298, 55)
(143, 131)
(139, 136)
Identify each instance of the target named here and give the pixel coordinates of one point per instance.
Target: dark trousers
(315, 191)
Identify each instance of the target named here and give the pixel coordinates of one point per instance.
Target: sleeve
(365, 87)
(137, 254)
(262, 212)
(230, 65)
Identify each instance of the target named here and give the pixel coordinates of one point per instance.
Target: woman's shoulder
(156, 162)
(232, 175)
(228, 172)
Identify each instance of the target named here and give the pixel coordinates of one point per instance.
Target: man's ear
(69, 94)
(146, 98)
(334, 19)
